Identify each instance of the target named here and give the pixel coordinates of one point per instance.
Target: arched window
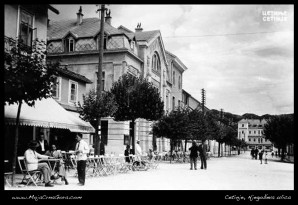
(156, 63)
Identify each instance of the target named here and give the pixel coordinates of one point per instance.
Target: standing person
(138, 150)
(261, 155)
(127, 152)
(43, 144)
(272, 153)
(61, 168)
(82, 149)
(31, 158)
(252, 153)
(256, 153)
(266, 157)
(203, 150)
(193, 155)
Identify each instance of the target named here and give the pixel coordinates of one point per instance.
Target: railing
(10, 43)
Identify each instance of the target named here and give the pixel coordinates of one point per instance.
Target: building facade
(141, 53)
(251, 131)
(23, 24)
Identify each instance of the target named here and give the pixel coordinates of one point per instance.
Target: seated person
(31, 159)
(60, 166)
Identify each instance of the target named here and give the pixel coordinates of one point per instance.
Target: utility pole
(99, 75)
(203, 100)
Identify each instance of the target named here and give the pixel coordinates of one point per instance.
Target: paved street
(238, 172)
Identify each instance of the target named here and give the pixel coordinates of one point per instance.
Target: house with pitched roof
(141, 53)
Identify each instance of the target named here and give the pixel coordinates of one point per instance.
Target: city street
(237, 172)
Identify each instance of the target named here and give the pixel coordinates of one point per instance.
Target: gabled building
(141, 53)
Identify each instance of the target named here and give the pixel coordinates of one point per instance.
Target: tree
(27, 78)
(174, 126)
(280, 131)
(94, 108)
(136, 98)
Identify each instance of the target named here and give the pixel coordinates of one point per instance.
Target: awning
(46, 113)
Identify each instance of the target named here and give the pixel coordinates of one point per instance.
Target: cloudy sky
(245, 64)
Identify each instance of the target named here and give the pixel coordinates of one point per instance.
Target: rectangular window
(126, 140)
(254, 132)
(259, 132)
(242, 132)
(56, 89)
(242, 125)
(249, 132)
(26, 28)
(73, 91)
(71, 45)
(248, 139)
(179, 103)
(254, 139)
(167, 103)
(104, 132)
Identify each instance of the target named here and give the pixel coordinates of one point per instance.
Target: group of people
(255, 153)
(39, 150)
(194, 149)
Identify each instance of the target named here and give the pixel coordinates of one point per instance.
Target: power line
(227, 34)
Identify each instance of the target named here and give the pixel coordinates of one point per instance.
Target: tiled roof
(146, 35)
(73, 75)
(88, 28)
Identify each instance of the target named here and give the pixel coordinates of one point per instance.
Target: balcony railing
(10, 43)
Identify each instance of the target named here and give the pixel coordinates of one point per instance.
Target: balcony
(10, 43)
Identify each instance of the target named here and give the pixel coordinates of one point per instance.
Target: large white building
(252, 132)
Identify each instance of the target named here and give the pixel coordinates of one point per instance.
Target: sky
(242, 55)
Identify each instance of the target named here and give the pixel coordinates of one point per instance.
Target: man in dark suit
(43, 145)
(203, 154)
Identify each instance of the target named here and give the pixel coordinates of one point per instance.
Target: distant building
(252, 132)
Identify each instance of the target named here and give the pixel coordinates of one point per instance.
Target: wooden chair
(7, 175)
(33, 176)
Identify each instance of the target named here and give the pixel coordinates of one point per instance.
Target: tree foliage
(280, 130)
(136, 98)
(27, 76)
(94, 108)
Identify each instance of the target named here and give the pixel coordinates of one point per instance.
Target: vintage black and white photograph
(149, 97)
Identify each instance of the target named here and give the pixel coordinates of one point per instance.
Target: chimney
(108, 17)
(138, 29)
(79, 16)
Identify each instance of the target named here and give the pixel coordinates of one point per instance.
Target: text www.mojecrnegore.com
(45, 197)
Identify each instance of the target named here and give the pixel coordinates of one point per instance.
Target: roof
(124, 29)
(253, 121)
(73, 75)
(146, 35)
(89, 27)
(171, 56)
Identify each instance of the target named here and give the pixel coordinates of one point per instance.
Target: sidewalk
(238, 172)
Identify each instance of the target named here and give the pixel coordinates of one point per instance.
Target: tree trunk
(16, 139)
(185, 143)
(172, 145)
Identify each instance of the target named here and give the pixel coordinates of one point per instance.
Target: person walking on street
(203, 153)
(82, 149)
(193, 156)
(261, 156)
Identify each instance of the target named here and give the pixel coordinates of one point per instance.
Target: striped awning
(46, 113)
